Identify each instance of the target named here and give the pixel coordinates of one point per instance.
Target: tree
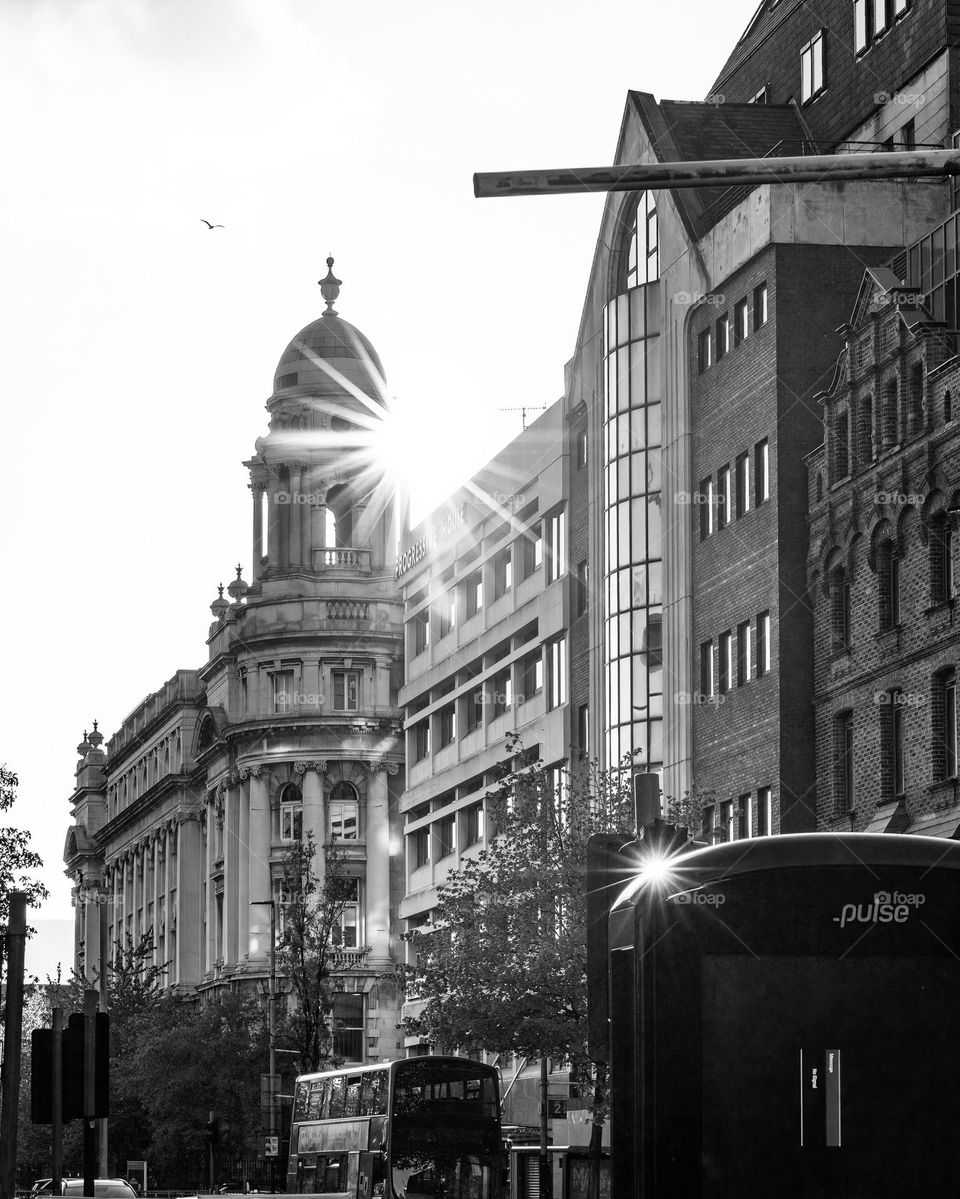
(503, 967)
(17, 859)
(308, 942)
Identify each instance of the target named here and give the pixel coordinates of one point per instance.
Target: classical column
(154, 849)
(308, 516)
(117, 910)
(137, 893)
(257, 489)
(185, 914)
(296, 514)
(378, 863)
(313, 822)
(259, 865)
(231, 829)
(274, 557)
(243, 871)
(318, 522)
(88, 896)
(210, 946)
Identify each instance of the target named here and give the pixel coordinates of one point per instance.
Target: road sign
(271, 1146)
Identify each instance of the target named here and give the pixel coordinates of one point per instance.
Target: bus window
(314, 1101)
(337, 1088)
(332, 1174)
(351, 1104)
(373, 1094)
(300, 1101)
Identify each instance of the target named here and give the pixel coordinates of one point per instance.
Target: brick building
(884, 493)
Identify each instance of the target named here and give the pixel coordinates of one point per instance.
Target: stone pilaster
(259, 864)
(313, 814)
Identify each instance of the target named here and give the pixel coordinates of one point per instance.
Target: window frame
(814, 53)
(346, 676)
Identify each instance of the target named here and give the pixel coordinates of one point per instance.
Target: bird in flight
(209, 226)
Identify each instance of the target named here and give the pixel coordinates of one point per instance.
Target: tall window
(283, 691)
(763, 643)
(473, 592)
(706, 669)
(473, 709)
(743, 484)
(744, 816)
(941, 559)
(531, 674)
(643, 253)
(728, 827)
(741, 321)
(726, 663)
(861, 29)
(865, 450)
(447, 615)
(446, 828)
(291, 813)
(421, 631)
(447, 722)
(743, 653)
(557, 674)
(348, 1034)
(704, 349)
(813, 76)
(764, 812)
(841, 442)
(881, 16)
(473, 824)
(843, 761)
(945, 725)
(840, 608)
(502, 699)
(583, 589)
(723, 496)
(889, 414)
(344, 812)
(888, 585)
(421, 740)
(759, 306)
(502, 572)
(895, 726)
(420, 848)
(761, 471)
(723, 335)
(346, 690)
(707, 502)
(556, 530)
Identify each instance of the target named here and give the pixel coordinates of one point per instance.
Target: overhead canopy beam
(817, 168)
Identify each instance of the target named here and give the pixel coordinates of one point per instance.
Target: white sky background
(137, 348)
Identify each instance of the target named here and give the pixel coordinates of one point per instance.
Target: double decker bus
(420, 1128)
(782, 1017)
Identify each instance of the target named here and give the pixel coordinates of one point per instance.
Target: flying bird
(209, 226)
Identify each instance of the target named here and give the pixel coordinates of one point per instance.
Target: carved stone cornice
(250, 771)
(382, 764)
(319, 766)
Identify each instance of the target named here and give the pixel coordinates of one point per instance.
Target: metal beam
(734, 172)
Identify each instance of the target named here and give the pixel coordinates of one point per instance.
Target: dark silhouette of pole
(16, 939)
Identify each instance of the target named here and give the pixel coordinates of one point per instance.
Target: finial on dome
(330, 288)
(96, 737)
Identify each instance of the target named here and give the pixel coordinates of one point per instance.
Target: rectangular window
(881, 16)
(283, 691)
(908, 135)
(502, 572)
(531, 676)
(759, 306)
(861, 31)
(743, 484)
(534, 543)
(744, 817)
(556, 545)
(473, 709)
(728, 828)
(291, 821)
(726, 663)
(723, 335)
(582, 588)
(346, 930)
(704, 350)
(446, 835)
(842, 444)
(421, 631)
(723, 496)
(743, 653)
(583, 728)
(557, 674)
(708, 824)
(346, 690)
(421, 740)
(761, 471)
(705, 501)
(447, 615)
(900, 7)
(421, 848)
(581, 450)
(762, 96)
(344, 820)
(447, 722)
(706, 669)
(473, 592)
(950, 723)
(844, 762)
(896, 742)
(813, 68)
(473, 824)
(502, 697)
(348, 1046)
(763, 643)
(741, 322)
(764, 812)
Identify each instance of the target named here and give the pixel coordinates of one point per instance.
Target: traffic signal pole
(56, 1183)
(16, 940)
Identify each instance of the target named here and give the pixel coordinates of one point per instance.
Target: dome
(336, 342)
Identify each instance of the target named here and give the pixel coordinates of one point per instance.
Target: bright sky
(138, 348)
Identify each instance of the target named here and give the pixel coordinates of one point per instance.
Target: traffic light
(213, 1131)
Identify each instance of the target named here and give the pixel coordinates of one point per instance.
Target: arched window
(819, 487)
(865, 449)
(945, 724)
(916, 399)
(888, 585)
(839, 609)
(843, 761)
(841, 444)
(889, 424)
(947, 407)
(291, 813)
(344, 809)
(941, 558)
(641, 262)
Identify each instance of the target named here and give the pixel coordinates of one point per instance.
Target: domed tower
(301, 732)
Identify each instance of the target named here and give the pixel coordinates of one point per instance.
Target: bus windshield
(445, 1131)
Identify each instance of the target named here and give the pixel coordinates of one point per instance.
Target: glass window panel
(640, 700)
(653, 472)
(653, 425)
(638, 434)
(653, 529)
(655, 582)
(613, 633)
(623, 318)
(655, 729)
(623, 532)
(653, 311)
(639, 738)
(638, 539)
(656, 705)
(623, 585)
(610, 482)
(623, 379)
(641, 584)
(623, 479)
(624, 665)
(654, 381)
(606, 329)
(637, 323)
(623, 433)
(624, 622)
(611, 384)
(637, 358)
(936, 240)
(638, 483)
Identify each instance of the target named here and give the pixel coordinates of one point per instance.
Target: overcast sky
(138, 347)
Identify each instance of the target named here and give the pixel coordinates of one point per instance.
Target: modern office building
(292, 726)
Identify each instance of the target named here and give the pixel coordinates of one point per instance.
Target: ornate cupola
(327, 504)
